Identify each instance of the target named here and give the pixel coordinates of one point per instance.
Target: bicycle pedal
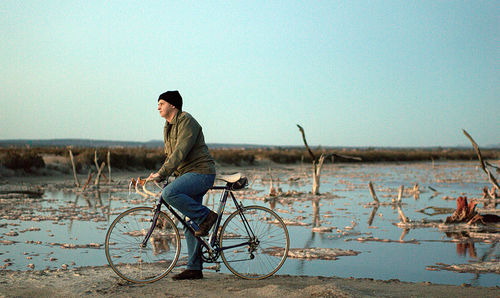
(217, 266)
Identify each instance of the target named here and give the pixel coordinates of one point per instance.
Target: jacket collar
(174, 120)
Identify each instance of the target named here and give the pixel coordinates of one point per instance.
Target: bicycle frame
(252, 242)
(211, 245)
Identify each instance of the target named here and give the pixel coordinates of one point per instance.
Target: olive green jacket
(185, 148)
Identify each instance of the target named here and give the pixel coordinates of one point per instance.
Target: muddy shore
(102, 282)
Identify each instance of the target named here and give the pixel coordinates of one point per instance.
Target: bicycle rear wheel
(129, 259)
(259, 240)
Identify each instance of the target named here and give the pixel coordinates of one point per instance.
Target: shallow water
(82, 221)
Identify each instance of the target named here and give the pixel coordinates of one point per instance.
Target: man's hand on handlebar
(155, 177)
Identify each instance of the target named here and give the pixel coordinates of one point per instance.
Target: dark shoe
(206, 224)
(188, 274)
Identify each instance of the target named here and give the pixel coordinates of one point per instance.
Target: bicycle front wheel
(254, 242)
(132, 260)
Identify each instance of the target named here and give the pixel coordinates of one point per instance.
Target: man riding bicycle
(187, 158)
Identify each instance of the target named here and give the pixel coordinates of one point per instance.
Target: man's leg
(194, 256)
(186, 195)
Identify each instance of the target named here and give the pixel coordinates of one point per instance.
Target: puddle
(64, 228)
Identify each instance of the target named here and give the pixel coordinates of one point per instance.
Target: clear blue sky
(352, 73)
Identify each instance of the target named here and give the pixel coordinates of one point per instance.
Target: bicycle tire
(264, 259)
(123, 246)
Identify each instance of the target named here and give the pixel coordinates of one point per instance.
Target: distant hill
(103, 143)
(77, 143)
(86, 143)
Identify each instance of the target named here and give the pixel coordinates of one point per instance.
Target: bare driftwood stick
(372, 192)
(95, 160)
(484, 164)
(316, 173)
(74, 168)
(305, 142)
(416, 191)
(109, 167)
(435, 192)
(345, 156)
(489, 197)
(88, 180)
(34, 192)
(99, 169)
(493, 193)
(402, 216)
(400, 194)
(272, 191)
(318, 162)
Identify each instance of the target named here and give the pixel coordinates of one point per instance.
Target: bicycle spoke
(124, 249)
(253, 261)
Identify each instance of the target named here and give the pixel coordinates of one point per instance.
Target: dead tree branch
(343, 156)
(484, 165)
(88, 180)
(372, 192)
(272, 190)
(305, 142)
(402, 216)
(109, 167)
(99, 169)
(400, 193)
(74, 167)
(318, 161)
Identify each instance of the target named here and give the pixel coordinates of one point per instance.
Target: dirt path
(102, 282)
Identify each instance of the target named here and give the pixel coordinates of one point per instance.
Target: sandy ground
(102, 282)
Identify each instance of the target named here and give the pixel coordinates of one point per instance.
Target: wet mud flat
(337, 233)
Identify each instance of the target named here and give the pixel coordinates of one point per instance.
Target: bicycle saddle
(235, 181)
(230, 178)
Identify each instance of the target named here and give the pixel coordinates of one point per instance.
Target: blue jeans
(185, 194)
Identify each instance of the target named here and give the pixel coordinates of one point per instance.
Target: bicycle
(143, 243)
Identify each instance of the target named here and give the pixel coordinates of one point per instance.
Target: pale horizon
(465, 145)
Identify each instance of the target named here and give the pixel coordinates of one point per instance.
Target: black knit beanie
(172, 97)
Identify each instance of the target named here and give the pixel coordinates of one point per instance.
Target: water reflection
(403, 234)
(316, 218)
(372, 215)
(467, 245)
(91, 210)
(160, 242)
(463, 248)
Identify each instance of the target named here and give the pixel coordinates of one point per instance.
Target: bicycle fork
(153, 224)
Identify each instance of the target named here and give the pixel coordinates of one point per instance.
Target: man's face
(164, 108)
